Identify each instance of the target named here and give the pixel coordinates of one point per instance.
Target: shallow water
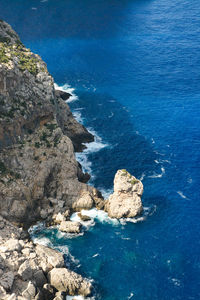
(135, 68)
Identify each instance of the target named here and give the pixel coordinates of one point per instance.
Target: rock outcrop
(34, 272)
(38, 135)
(69, 281)
(39, 175)
(125, 202)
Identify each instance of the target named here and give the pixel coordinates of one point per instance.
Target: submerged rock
(69, 282)
(125, 202)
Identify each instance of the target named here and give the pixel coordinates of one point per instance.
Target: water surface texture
(135, 67)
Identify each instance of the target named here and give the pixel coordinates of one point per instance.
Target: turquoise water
(135, 67)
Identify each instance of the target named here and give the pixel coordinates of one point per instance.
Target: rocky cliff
(38, 135)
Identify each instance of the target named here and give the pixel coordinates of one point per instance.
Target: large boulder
(70, 282)
(70, 227)
(6, 280)
(85, 201)
(49, 258)
(125, 202)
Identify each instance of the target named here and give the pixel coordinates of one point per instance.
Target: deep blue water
(135, 66)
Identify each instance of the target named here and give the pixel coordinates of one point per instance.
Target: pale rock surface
(25, 271)
(69, 282)
(49, 257)
(85, 201)
(13, 245)
(70, 227)
(125, 202)
(6, 280)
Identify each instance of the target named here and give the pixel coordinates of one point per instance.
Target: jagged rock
(69, 282)
(60, 296)
(36, 125)
(85, 201)
(48, 291)
(70, 227)
(64, 95)
(11, 297)
(12, 245)
(44, 213)
(30, 292)
(38, 134)
(25, 271)
(58, 218)
(2, 292)
(40, 278)
(6, 280)
(125, 202)
(83, 217)
(26, 251)
(2, 263)
(49, 258)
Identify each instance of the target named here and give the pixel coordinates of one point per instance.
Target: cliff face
(38, 135)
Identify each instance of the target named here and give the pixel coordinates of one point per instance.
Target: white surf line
(182, 195)
(68, 89)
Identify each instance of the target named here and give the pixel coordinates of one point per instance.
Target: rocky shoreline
(40, 178)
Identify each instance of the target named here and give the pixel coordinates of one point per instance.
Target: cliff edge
(38, 135)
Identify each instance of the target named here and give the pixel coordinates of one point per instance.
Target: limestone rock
(85, 201)
(40, 278)
(6, 280)
(29, 292)
(70, 227)
(83, 217)
(58, 218)
(13, 245)
(36, 126)
(125, 202)
(70, 282)
(25, 271)
(49, 258)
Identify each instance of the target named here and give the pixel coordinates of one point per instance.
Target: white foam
(130, 296)
(82, 157)
(103, 217)
(68, 89)
(42, 241)
(182, 195)
(160, 161)
(176, 281)
(78, 297)
(142, 176)
(158, 175)
(75, 298)
(94, 214)
(111, 115)
(95, 255)
(147, 211)
(87, 224)
(77, 115)
(37, 227)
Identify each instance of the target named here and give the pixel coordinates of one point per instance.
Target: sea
(133, 68)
